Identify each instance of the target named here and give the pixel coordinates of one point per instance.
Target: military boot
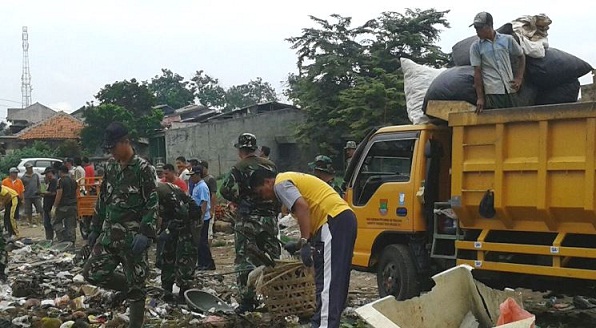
(118, 283)
(167, 292)
(136, 314)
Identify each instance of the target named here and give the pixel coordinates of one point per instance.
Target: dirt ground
(552, 311)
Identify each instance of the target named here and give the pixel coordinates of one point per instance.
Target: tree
(171, 89)
(211, 94)
(38, 149)
(208, 90)
(253, 92)
(133, 96)
(69, 148)
(98, 118)
(128, 102)
(348, 78)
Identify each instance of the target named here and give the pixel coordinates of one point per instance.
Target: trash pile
(551, 75)
(45, 288)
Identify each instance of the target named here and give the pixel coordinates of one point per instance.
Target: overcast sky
(77, 47)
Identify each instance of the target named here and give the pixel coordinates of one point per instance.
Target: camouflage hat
(322, 163)
(246, 140)
(350, 145)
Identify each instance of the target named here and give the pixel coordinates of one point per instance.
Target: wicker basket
(288, 289)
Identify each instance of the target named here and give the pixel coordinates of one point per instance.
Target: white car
(39, 164)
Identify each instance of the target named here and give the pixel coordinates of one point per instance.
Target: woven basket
(288, 289)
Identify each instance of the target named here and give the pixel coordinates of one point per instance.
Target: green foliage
(253, 92)
(128, 102)
(349, 78)
(38, 149)
(69, 148)
(98, 118)
(133, 96)
(211, 94)
(171, 89)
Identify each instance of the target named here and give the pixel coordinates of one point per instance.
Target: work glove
(292, 247)
(53, 212)
(140, 243)
(306, 254)
(92, 238)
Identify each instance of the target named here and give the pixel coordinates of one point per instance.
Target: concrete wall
(214, 141)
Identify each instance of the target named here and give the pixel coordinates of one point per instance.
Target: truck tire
(396, 273)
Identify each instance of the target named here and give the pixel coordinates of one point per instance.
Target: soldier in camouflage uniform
(122, 229)
(181, 222)
(253, 215)
(322, 168)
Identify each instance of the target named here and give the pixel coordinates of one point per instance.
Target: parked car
(39, 164)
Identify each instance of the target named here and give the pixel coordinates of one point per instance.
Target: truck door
(382, 189)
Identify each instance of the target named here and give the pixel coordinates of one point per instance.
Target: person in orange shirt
(13, 182)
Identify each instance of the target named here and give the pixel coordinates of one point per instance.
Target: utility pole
(26, 76)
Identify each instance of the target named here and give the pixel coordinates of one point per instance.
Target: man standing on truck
(327, 224)
(180, 222)
(123, 227)
(495, 84)
(252, 214)
(322, 168)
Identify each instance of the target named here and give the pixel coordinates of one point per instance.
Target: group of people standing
(135, 209)
(58, 190)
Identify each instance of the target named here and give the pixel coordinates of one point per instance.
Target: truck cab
(396, 171)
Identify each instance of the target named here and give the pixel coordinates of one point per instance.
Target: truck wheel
(396, 273)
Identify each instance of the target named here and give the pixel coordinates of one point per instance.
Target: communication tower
(26, 76)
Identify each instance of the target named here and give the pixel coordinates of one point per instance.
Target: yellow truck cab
(417, 192)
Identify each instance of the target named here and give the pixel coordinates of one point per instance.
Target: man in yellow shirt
(327, 224)
(9, 198)
(13, 182)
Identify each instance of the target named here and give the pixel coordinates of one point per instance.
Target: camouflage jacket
(235, 187)
(127, 200)
(176, 207)
(336, 187)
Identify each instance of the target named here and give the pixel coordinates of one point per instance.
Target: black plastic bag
(556, 67)
(563, 93)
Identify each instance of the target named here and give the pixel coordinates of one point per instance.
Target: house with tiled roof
(21, 118)
(53, 130)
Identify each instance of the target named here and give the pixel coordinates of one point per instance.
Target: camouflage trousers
(246, 229)
(178, 260)
(99, 268)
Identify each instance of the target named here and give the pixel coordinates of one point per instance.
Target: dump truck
(506, 191)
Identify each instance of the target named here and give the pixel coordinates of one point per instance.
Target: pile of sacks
(551, 75)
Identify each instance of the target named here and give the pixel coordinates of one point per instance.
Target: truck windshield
(385, 161)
